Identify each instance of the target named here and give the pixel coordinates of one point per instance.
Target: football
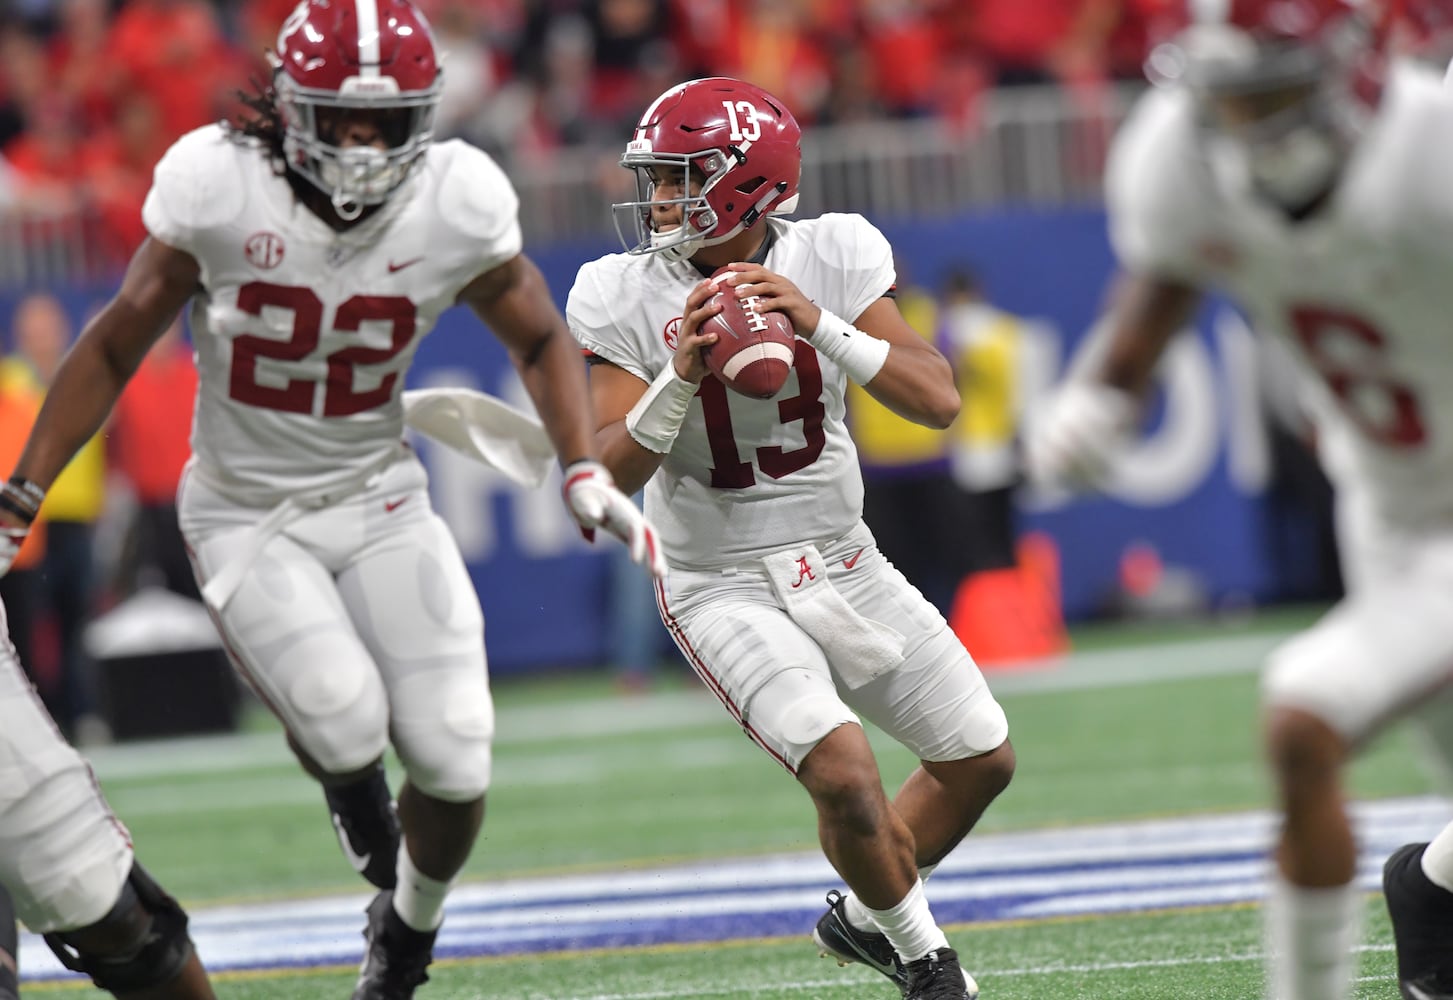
(754, 348)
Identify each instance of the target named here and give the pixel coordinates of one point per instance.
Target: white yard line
(1102, 869)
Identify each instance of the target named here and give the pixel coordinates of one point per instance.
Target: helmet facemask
(1291, 156)
(355, 176)
(1281, 117)
(698, 175)
(694, 175)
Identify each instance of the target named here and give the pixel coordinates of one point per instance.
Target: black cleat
(844, 942)
(368, 827)
(1422, 926)
(938, 976)
(394, 964)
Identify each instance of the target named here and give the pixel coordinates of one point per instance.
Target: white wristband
(656, 418)
(860, 355)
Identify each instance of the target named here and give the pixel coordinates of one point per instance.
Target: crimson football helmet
(732, 150)
(1285, 86)
(337, 58)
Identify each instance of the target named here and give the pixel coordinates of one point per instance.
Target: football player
(778, 595)
(1284, 162)
(67, 868)
(318, 241)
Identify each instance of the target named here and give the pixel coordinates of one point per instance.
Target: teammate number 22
(340, 398)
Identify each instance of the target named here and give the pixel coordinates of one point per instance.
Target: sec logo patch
(264, 250)
(672, 331)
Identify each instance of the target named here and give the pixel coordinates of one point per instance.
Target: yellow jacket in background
(884, 439)
(79, 492)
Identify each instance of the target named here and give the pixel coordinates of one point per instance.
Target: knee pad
(443, 729)
(149, 953)
(340, 717)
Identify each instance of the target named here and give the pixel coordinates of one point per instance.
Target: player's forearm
(918, 386)
(631, 464)
(555, 380)
(77, 404)
(1146, 312)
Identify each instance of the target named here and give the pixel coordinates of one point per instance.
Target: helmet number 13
(752, 130)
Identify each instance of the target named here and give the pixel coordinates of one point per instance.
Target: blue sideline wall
(1195, 490)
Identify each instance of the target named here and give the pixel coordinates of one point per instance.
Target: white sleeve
(193, 188)
(478, 202)
(866, 264)
(1157, 193)
(588, 314)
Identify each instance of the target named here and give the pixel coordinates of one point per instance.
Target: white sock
(419, 899)
(1311, 938)
(1438, 859)
(909, 927)
(858, 915)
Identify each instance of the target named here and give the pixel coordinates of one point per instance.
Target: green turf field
(1147, 723)
(1211, 955)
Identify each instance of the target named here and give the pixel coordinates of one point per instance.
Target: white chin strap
(359, 176)
(1290, 173)
(675, 250)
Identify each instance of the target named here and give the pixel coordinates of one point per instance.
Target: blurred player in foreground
(778, 596)
(66, 864)
(1285, 162)
(318, 241)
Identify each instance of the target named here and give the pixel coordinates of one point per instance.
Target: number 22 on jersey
(340, 398)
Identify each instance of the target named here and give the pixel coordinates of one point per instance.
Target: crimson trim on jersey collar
(760, 257)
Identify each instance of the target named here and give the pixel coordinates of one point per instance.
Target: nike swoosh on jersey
(850, 563)
(392, 267)
(389, 506)
(358, 861)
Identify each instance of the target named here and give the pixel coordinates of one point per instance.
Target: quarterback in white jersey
(777, 594)
(318, 242)
(1285, 164)
(67, 868)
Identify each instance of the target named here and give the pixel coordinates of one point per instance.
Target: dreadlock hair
(265, 124)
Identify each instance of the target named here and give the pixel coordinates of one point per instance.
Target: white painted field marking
(1112, 868)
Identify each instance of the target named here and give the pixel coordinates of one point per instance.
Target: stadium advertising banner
(1195, 492)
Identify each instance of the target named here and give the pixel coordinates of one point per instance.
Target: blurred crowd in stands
(93, 91)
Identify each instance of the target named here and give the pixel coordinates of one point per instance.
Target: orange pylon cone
(1010, 618)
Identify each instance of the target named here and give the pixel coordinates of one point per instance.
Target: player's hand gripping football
(777, 295)
(594, 501)
(1084, 428)
(690, 338)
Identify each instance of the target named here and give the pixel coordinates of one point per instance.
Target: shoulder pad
(475, 198)
(197, 183)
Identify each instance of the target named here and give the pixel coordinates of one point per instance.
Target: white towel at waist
(483, 428)
(858, 648)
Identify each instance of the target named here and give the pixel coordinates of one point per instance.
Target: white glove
(594, 502)
(11, 538)
(1085, 427)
